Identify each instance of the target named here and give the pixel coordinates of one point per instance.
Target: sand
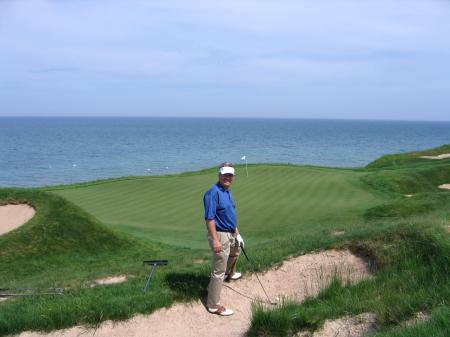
(348, 326)
(438, 157)
(111, 280)
(296, 279)
(356, 326)
(445, 186)
(13, 216)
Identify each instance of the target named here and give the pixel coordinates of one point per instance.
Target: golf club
(265, 292)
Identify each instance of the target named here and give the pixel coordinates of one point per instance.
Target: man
(223, 236)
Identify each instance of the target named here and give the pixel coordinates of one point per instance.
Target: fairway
(274, 202)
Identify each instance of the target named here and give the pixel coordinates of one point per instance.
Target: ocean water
(48, 151)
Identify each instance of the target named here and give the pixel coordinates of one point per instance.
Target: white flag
(243, 158)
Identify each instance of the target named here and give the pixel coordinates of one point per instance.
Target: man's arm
(211, 225)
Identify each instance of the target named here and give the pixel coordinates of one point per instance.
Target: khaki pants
(222, 263)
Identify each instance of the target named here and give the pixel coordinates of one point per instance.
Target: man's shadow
(188, 286)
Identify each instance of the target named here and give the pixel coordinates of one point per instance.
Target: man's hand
(217, 246)
(240, 240)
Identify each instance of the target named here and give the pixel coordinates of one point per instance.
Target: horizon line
(231, 117)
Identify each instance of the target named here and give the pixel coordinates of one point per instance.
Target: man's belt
(225, 231)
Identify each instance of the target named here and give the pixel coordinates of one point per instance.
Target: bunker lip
(13, 216)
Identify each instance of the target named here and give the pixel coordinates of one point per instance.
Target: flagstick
(245, 158)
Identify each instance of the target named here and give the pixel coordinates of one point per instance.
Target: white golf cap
(226, 170)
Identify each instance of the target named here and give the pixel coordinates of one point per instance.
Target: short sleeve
(210, 203)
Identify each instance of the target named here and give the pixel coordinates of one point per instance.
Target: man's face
(225, 180)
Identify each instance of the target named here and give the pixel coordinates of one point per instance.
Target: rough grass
(395, 160)
(414, 264)
(437, 326)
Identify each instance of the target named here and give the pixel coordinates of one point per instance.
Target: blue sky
(294, 59)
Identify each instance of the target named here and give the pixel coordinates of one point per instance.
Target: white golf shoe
(221, 311)
(234, 277)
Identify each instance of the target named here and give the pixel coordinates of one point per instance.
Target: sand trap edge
(13, 216)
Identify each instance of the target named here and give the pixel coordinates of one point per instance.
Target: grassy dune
(85, 231)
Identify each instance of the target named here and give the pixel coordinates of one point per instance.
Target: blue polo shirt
(220, 207)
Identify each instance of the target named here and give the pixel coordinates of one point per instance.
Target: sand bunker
(438, 157)
(297, 278)
(13, 216)
(445, 186)
(111, 280)
(356, 326)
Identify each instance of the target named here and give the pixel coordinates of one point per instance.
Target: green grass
(62, 246)
(396, 160)
(86, 231)
(274, 201)
(411, 258)
(437, 326)
(414, 264)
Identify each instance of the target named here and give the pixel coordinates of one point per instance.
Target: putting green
(273, 202)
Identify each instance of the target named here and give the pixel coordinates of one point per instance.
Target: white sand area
(111, 280)
(445, 186)
(13, 216)
(296, 279)
(438, 157)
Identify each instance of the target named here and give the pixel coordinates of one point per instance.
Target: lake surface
(47, 151)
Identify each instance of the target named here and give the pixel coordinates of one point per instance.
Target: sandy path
(297, 278)
(13, 216)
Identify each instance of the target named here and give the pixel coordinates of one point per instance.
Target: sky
(271, 59)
